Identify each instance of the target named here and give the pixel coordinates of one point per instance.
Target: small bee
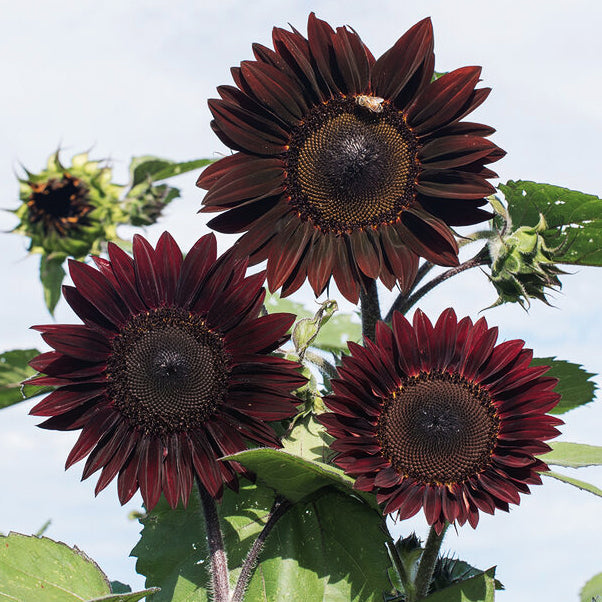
(372, 103)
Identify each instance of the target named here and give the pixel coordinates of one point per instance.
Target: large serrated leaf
(330, 548)
(573, 455)
(172, 552)
(572, 216)
(480, 588)
(14, 369)
(573, 383)
(291, 476)
(311, 549)
(38, 568)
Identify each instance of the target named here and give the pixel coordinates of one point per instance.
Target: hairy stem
(281, 505)
(405, 304)
(408, 586)
(370, 309)
(322, 363)
(426, 567)
(215, 541)
(423, 270)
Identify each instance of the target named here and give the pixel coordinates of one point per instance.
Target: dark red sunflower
(347, 166)
(441, 418)
(170, 370)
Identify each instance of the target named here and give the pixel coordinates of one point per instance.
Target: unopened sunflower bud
(522, 265)
(145, 202)
(69, 210)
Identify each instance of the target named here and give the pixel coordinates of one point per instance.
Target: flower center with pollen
(350, 167)
(438, 428)
(167, 372)
(59, 205)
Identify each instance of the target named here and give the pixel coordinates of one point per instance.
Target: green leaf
(14, 370)
(449, 571)
(153, 169)
(177, 169)
(308, 439)
(340, 329)
(480, 588)
(51, 277)
(117, 587)
(33, 568)
(126, 597)
(306, 329)
(333, 335)
(331, 548)
(584, 486)
(275, 304)
(573, 383)
(291, 476)
(573, 455)
(571, 216)
(143, 168)
(592, 590)
(172, 552)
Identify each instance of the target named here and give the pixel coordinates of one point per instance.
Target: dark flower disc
(346, 166)
(441, 418)
(60, 205)
(170, 370)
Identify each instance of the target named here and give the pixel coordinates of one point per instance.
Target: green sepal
(523, 266)
(51, 277)
(447, 572)
(480, 588)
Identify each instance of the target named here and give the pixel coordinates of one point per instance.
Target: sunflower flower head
(347, 166)
(69, 210)
(171, 369)
(441, 418)
(523, 265)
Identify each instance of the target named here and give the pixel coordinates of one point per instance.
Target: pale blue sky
(127, 78)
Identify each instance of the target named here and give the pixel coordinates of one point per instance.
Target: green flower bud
(69, 210)
(522, 264)
(145, 202)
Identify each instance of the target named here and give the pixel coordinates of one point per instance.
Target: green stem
(281, 505)
(370, 309)
(405, 304)
(424, 575)
(408, 586)
(322, 363)
(423, 270)
(220, 583)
